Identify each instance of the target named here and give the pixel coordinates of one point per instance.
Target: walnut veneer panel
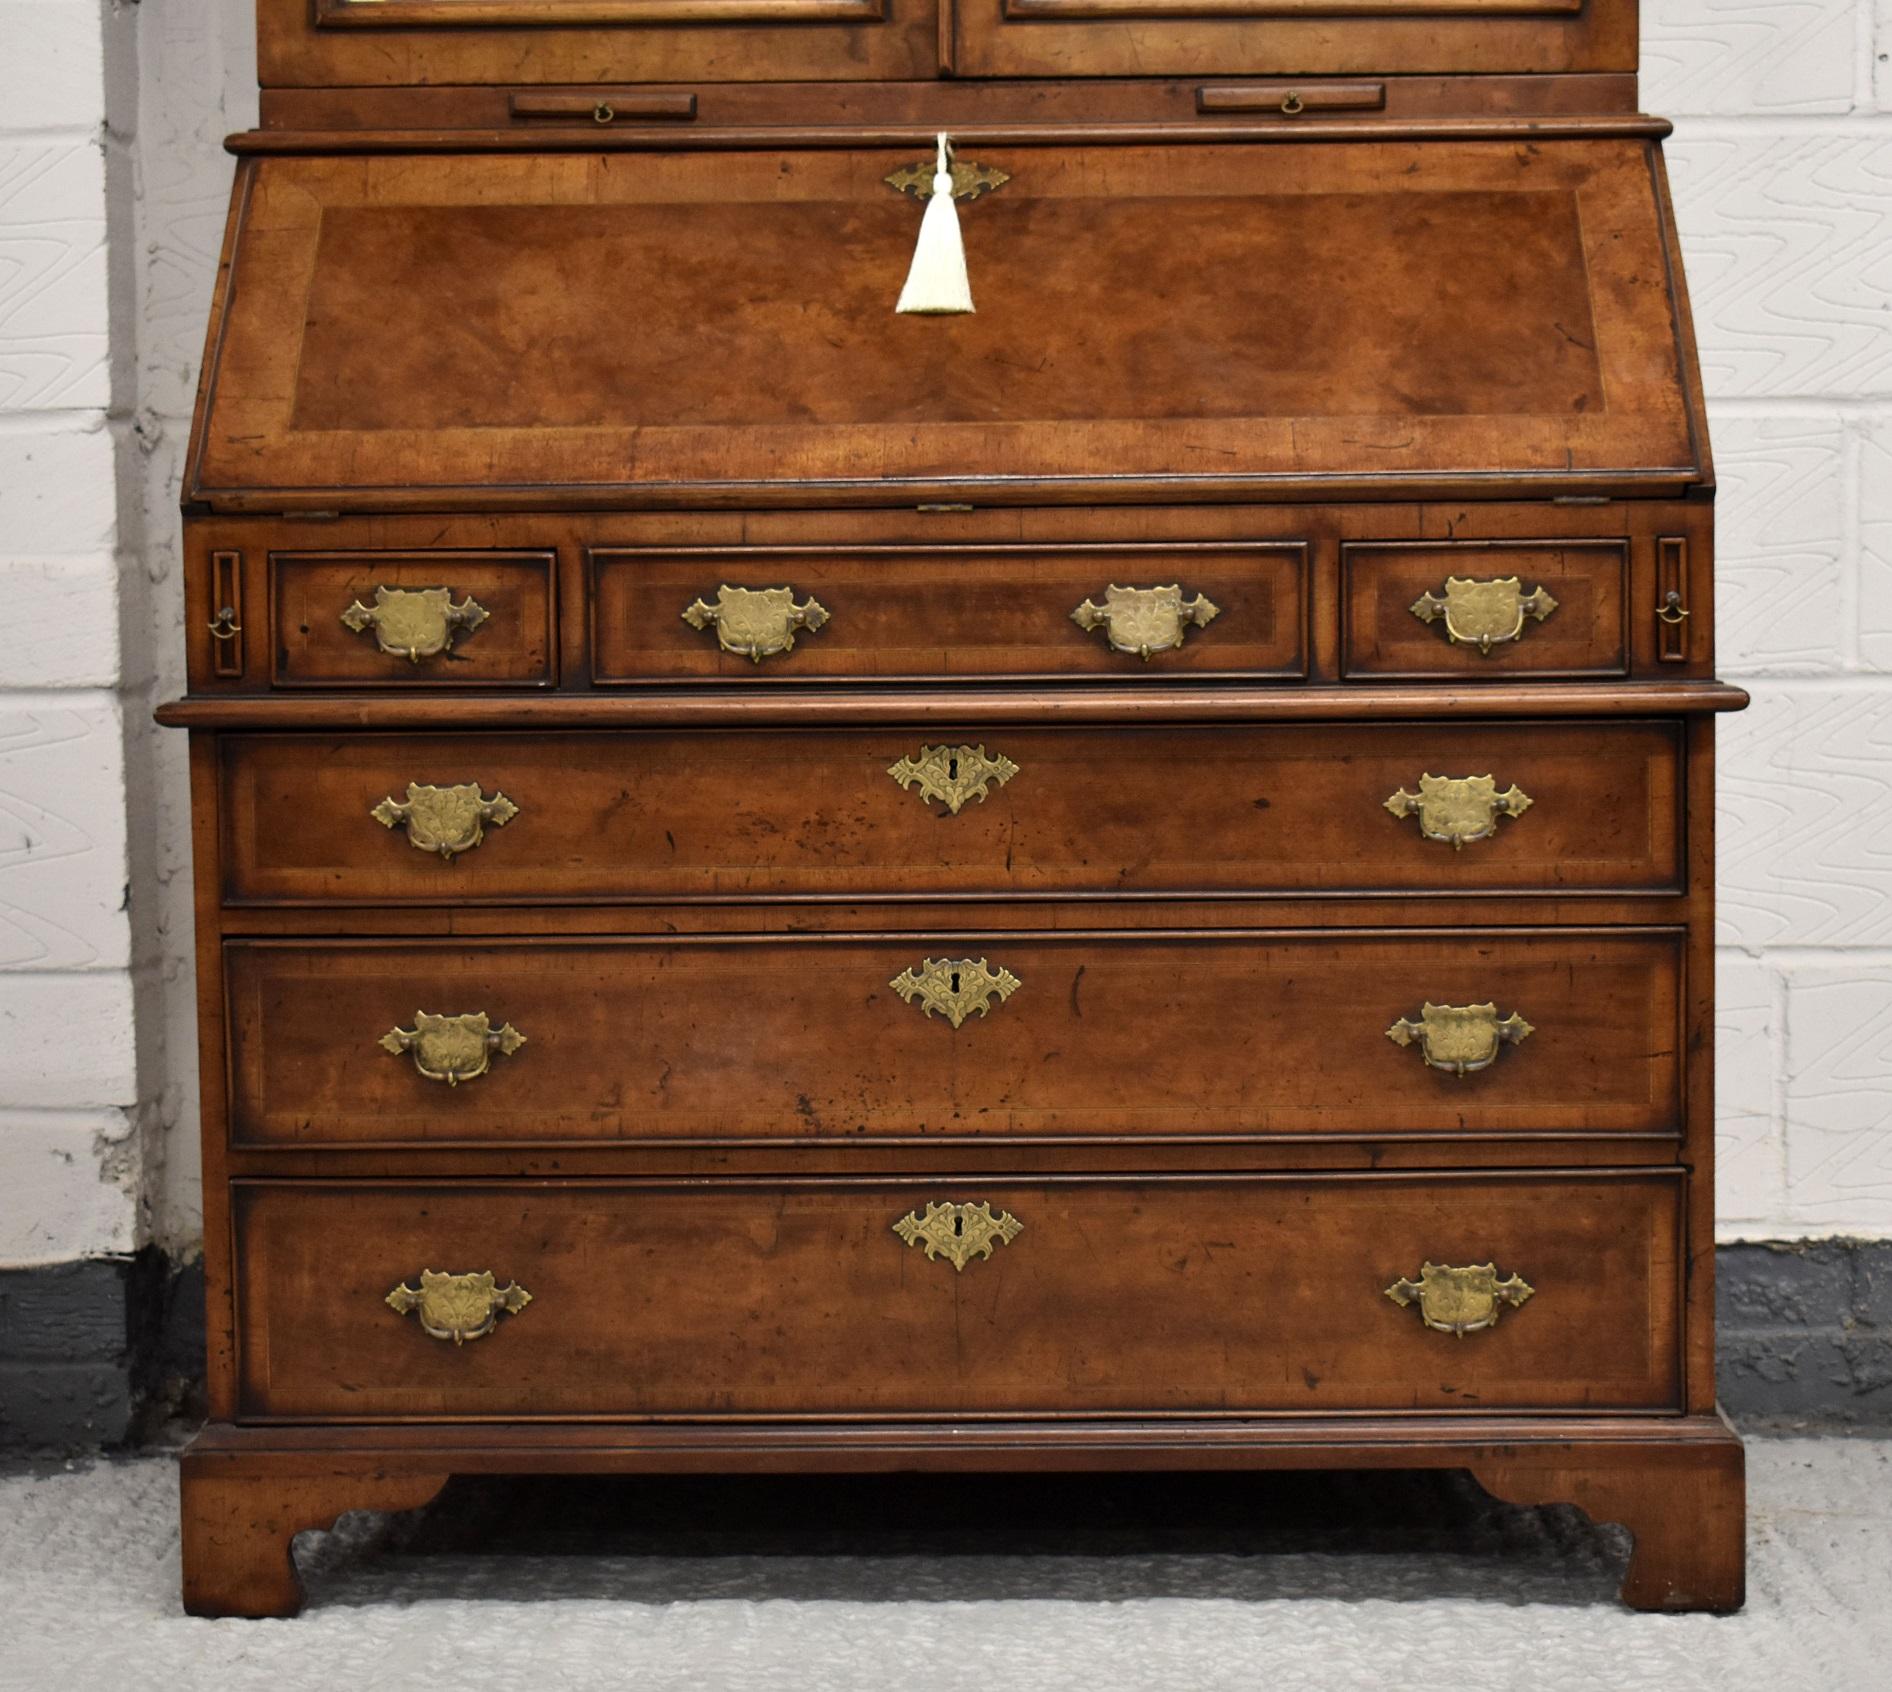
(1212, 1297)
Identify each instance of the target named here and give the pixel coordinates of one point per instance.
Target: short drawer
(904, 613)
(1481, 609)
(900, 814)
(898, 1037)
(413, 619)
(1217, 1296)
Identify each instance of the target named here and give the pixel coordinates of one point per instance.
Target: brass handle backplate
(1146, 621)
(756, 623)
(1460, 1038)
(955, 988)
(447, 820)
(453, 1048)
(415, 623)
(1460, 1301)
(1483, 614)
(958, 1232)
(953, 774)
(970, 180)
(1459, 809)
(458, 1307)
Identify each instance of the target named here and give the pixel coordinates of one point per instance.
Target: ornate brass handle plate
(953, 774)
(1460, 1301)
(453, 1048)
(955, 988)
(969, 180)
(1459, 809)
(958, 1232)
(458, 1307)
(1483, 614)
(756, 623)
(415, 623)
(447, 820)
(1461, 1038)
(1146, 620)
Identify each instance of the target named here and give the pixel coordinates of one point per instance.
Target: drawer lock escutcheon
(958, 1232)
(415, 623)
(955, 988)
(1459, 809)
(447, 820)
(1460, 1301)
(756, 623)
(1483, 614)
(953, 774)
(458, 1307)
(453, 1048)
(1146, 621)
(1462, 1039)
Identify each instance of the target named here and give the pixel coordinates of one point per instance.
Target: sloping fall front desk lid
(1154, 323)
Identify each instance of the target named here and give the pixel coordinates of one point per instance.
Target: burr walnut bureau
(1120, 880)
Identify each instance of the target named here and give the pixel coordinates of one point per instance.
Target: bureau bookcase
(1121, 881)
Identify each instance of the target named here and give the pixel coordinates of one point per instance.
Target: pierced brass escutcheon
(1146, 620)
(1461, 1038)
(955, 988)
(458, 1307)
(447, 820)
(1460, 1301)
(415, 623)
(1458, 809)
(756, 623)
(953, 774)
(1483, 614)
(453, 1048)
(958, 1232)
(969, 180)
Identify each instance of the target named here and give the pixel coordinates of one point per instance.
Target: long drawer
(888, 814)
(901, 1036)
(1215, 1295)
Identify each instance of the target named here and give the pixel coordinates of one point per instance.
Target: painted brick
(58, 490)
(1751, 1178)
(1872, 477)
(60, 1204)
(55, 64)
(66, 1042)
(1839, 1059)
(1780, 527)
(63, 851)
(64, 1405)
(1784, 235)
(54, 305)
(68, 1313)
(62, 622)
(1740, 57)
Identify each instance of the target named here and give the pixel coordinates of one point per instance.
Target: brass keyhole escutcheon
(953, 774)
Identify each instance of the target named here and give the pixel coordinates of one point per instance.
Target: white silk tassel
(936, 281)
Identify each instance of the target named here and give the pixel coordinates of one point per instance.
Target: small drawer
(905, 1037)
(413, 619)
(1476, 610)
(1207, 1296)
(878, 614)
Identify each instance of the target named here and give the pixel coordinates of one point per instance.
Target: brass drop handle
(415, 623)
(447, 820)
(1292, 104)
(602, 112)
(1484, 614)
(1460, 1301)
(224, 626)
(1461, 1039)
(1671, 610)
(958, 1232)
(953, 774)
(1459, 809)
(458, 1307)
(1146, 621)
(453, 1048)
(756, 623)
(955, 988)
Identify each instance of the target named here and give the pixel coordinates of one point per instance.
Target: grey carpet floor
(1191, 1583)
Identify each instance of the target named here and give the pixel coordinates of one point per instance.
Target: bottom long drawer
(1217, 1295)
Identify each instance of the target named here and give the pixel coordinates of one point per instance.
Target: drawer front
(413, 619)
(1029, 1034)
(884, 614)
(1474, 610)
(858, 814)
(1188, 1296)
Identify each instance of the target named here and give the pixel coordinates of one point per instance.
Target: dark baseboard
(106, 1354)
